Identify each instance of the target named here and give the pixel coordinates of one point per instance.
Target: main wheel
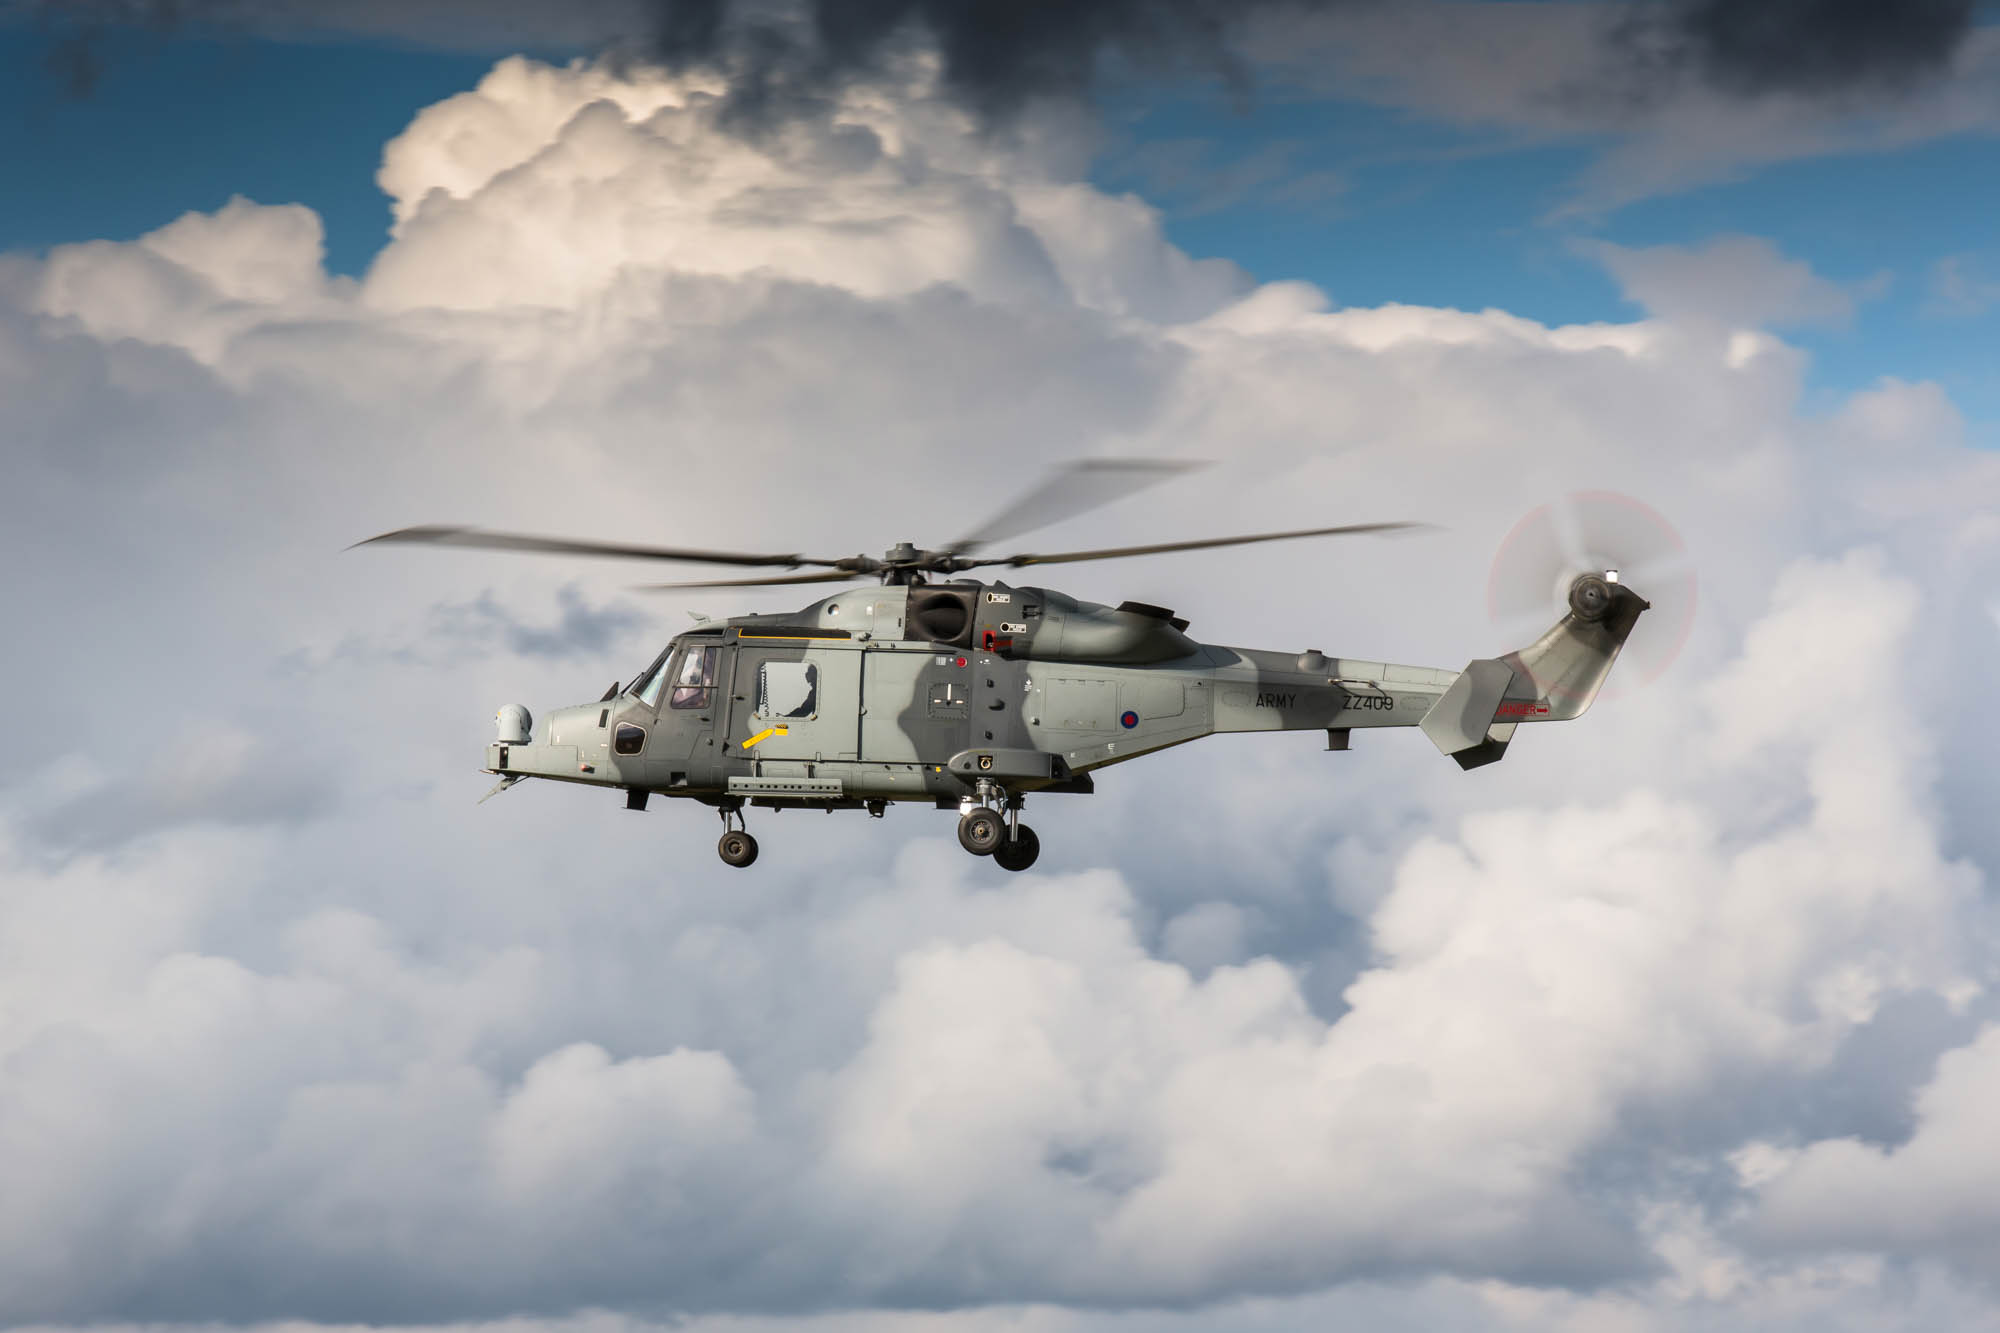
(1019, 852)
(737, 848)
(981, 830)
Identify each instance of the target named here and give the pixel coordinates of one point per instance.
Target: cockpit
(688, 666)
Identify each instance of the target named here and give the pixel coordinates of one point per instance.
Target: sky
(1682, 1017)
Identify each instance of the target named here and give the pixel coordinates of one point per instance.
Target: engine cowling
(1068, 630)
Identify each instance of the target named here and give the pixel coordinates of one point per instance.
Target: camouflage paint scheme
(952, 692)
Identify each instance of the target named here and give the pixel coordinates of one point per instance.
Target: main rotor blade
(514, 541)
(831, 576)
(1113, 552)
(1070, 491)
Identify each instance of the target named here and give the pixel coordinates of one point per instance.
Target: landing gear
(1019, 852)
(981, 830)
(737, 847)
(999, 833)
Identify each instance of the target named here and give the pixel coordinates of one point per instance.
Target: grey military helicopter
(973, 695)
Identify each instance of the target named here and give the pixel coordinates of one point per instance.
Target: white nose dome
(515, 722)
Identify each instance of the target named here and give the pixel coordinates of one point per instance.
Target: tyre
(1020, 853)
(981, 830)
(737, 848)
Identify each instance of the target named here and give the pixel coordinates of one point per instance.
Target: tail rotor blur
(1606, 534)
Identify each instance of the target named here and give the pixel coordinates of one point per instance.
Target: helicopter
(972, 695)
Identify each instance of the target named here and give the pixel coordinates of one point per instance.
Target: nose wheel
(736, 847)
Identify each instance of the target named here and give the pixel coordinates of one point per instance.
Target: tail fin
(1553, 679)
(1565, 668)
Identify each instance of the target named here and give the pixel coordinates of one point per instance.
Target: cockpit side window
(694, 679)
(646, 687)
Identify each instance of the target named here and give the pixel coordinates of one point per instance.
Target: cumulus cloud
(1932, 1194)
(1500, 1049)
(881, 198)
(1738, 281)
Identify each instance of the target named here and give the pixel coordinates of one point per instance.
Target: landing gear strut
(737, 847)
(985, 831)
(1019, 852)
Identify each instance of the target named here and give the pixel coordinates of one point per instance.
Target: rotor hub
(1590, 597)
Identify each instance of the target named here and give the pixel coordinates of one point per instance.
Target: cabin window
(788, 689)
(628, 739)
(694, 680)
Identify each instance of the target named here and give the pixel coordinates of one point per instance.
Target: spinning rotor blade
(1209, 543)
(1595, 532)
(1069, 491)
(487, 540)
(830, 576)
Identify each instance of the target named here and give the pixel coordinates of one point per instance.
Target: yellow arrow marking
(765, 735)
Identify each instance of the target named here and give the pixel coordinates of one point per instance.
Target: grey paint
(1464, 713)
(1039, 689)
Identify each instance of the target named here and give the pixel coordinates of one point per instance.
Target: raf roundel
(1128, 719)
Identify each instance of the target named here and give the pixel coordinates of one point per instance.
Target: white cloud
(1736, 281)
(1265, 1020)
(540, 186)
(1208, 935)
(227, 271)
(581, 1127)
(1935, 1194)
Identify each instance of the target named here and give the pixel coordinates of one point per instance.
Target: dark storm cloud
(1813, 47)
(1816, 45)
(999, 55)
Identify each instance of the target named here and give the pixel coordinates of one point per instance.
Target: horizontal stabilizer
(1463, 715)
(1489, 751)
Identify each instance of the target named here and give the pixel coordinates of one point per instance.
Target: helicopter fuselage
(969, 694)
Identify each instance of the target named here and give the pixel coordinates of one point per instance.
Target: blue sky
(1433, 214)
(1375, 204)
